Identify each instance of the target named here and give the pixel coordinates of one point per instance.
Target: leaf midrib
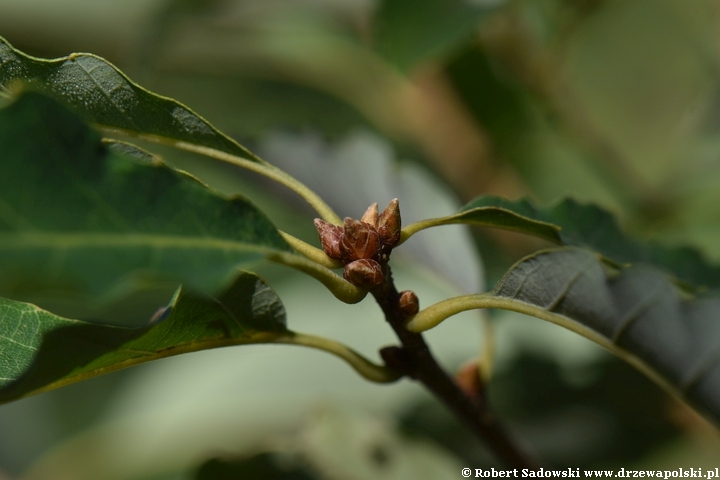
(70, 240)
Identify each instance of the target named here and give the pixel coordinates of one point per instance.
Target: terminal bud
(359, 240)
(371, 215)
(389, 222)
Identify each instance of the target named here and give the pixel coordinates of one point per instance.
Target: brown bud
(371, 215)
(363, 273)
(330, 238)
(397, 359)
(408, 303)
(389, 223)
(468, 379)
(359, 240)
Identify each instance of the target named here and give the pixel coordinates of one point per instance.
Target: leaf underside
(77, 218)
(637, 312)
(103, 95)
(500, 217)
(591, 227)
(40, 351)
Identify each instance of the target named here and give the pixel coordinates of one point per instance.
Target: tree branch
(414, 359)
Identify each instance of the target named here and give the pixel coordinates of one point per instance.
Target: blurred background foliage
(607, 101)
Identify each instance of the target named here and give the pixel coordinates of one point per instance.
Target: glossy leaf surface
(77, 219)
(589, 226)
(102, 94)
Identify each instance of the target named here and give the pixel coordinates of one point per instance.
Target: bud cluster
(364, 245)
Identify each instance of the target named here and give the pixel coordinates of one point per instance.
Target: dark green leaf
(492, 216)
(591, 227)
(75, 218)
(102, 94)
(40, 351)
(265, 466)
(129, 150)
(636, 312)
(500, 104)
(407, 32)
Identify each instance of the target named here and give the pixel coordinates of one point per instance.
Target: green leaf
(129, 150)
(40, 351)
(103, 95)
(75, 218)
(407, 32)
(636, 312)
(591, 227)
(491, 216)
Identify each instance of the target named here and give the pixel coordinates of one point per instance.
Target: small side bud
(389, 224)
(330, 238)
(408, 303)
(371, 215)
(397, 359)
(363, 273)
(468, 379)
(359, 240)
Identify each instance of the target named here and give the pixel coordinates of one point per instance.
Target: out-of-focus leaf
(522, 127)
(592, 227)
(40, 351)
(407, 32)
(77, 219)
(265, 466)
(370, 449)
(266, 104)
(602, 415)
(363, 168)
(635, 312)
(500, 105)
(103, 95)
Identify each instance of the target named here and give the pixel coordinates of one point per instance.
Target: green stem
(366, 368)
(263, 168)
(313, 253)
(338, 286)
(414, 359)
(273, 173)
(486, 359)
(504, 219)
(410, 230)
(435, 314)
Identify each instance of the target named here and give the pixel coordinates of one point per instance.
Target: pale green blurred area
(608, 101)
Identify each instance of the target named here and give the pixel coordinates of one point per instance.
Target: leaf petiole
(363, 366)
(342, 289)
(437, 313)
(263, 168)
(313, 253)
(488, 216)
